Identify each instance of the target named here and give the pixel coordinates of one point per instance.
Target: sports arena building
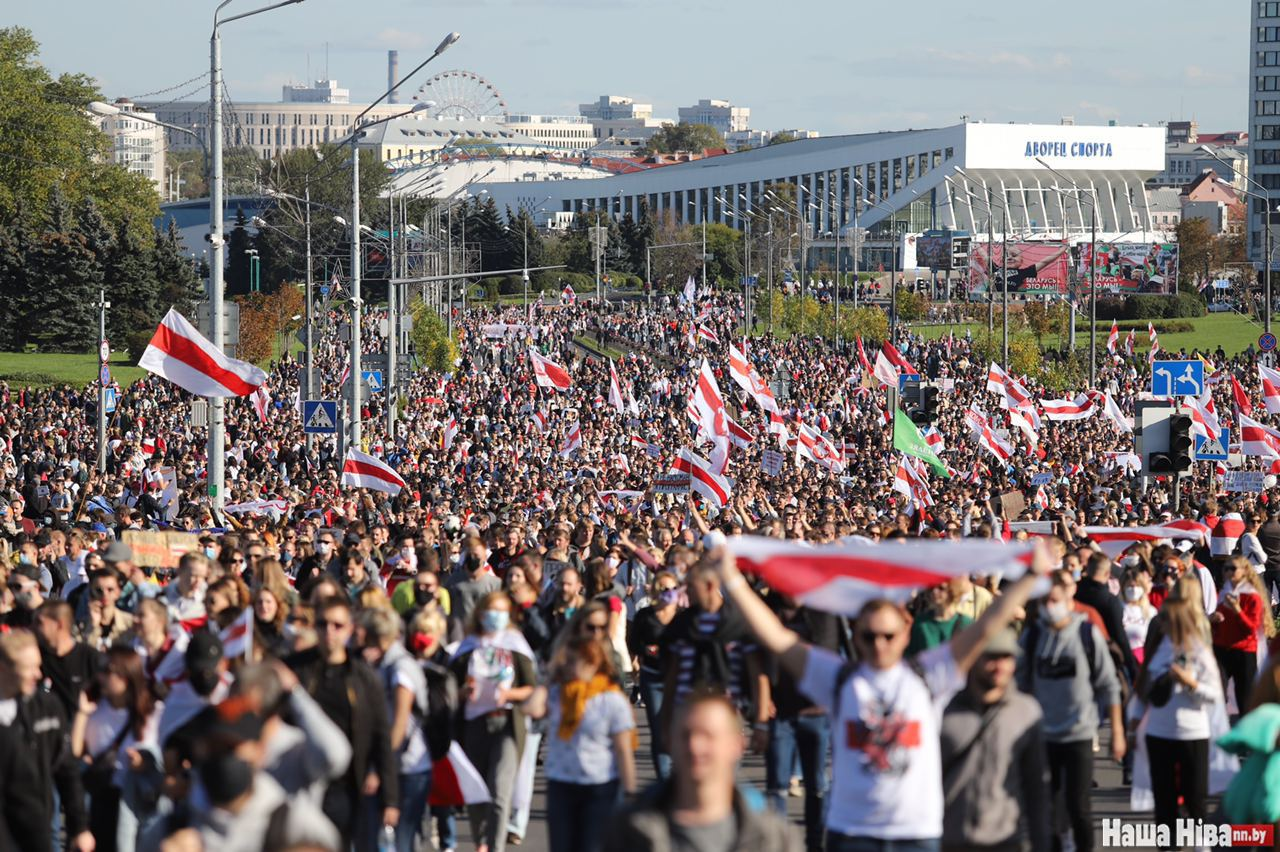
(970, 177)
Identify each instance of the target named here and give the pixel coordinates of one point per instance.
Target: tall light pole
(355, 228)
(1093, 269)
(216, 449)
(1265, 198)
(104, 353)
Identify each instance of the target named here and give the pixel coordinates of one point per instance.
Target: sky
(835, 66)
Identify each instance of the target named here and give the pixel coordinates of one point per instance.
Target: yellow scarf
(574, 696)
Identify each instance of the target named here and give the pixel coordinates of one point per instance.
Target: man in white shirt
(887, 769)
(185, 596)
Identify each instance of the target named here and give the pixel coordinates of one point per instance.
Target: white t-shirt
(887, 766)
(1136, 622)
(587, 757)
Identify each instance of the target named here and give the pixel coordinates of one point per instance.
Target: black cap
(204, 651)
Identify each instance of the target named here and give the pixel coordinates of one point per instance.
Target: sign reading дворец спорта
(1068, 149)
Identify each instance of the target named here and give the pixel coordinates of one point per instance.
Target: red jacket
(1239, 630)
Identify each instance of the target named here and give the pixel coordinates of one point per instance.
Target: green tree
(911, 305)
(1039, 319)
(693, 138)
(724, 244)
(1195, 244)
(60, 312)
(15, 290)
(237, 257)
(191, 170)
(48, 141)
(430, 337)
(782, 138)
(179, 287)
(133, 291)
(522, 236)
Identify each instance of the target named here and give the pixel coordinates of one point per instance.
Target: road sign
(109, 400)
(1266, 341)
(905, 378)
(104, 351)
(1215, 450)
(1177, 378)
(319, 417)
(324, 291)
(373, 378)
(104, 375)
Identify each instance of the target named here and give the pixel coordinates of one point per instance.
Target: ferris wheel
(462, 94)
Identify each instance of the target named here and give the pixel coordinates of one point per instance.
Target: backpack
(441, 721)
(1088, 641)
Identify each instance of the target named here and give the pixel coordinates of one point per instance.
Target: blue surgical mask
(669, 596)
(211, 553)
(494, 620)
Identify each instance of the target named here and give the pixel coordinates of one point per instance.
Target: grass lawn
(1232, 332)
(42, 369)
(589, 343)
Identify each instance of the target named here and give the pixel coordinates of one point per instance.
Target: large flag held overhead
(706, 400)
(361, 470)
(744, 374)
(815, 447)
(908, 439)
(1080, 408)
(1257, 439)
(840, 578)
(182, 355)
(615, 390)
(890, 364)
(703, 479)
(1116, 540)
(547, 373)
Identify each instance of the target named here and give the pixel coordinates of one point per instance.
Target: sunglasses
(598, 628)
(871, 636)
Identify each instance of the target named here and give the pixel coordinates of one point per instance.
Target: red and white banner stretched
(1116, 540)
(702, 477)
(1080, 408)
(572, 442)
(840, 578)
(547, 373)
(361, 470)
(182, 355)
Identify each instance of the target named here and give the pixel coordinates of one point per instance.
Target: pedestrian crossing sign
(319, 417)
(1213, 448)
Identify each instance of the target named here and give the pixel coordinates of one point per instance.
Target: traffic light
(922, 405)
(1177, 459)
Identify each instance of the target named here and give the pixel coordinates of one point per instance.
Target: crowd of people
(336, 668)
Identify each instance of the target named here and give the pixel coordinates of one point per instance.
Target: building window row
(1266, 107)
(1268, 58)
(1267, 83)
(1267, 156)
(1268, 9)
(1268, 34)
(1268, 132)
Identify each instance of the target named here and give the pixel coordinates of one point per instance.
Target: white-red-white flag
(1080, 408)
(361, 470)
(567, 296)
(1203, 420)
(986, 436)
(455, 781)
(1113, 339)
(572, 442)
(182, 355)
(547, 373)
(1116, 540)
(705, 400)
(1129, 343)
(539, 421)
(615, 390)
(451, 429)
(1257, 439)
(261, 399)
(840, 578)
(707, 334)
(815, 447)
(237, 637)
(1270, 388)
(745, 376)
(703, 479)
(890, 364)
(1155, 342)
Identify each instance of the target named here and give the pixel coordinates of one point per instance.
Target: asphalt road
(1110, 798)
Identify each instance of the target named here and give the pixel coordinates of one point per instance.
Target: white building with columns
(928, 179)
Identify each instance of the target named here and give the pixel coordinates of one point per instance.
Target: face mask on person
(1076, 574)
(322, 547)
(25, 600)
(25, 559)
(226, 778)
(211, 553)
(422, 596)
(494, 620)
(1133, 594)
(471, 563)
(611, 562)
(1055, 612)
(669, 596)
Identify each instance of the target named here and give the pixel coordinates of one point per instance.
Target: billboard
(933, 252)
(1032, 268)
(1133, 267)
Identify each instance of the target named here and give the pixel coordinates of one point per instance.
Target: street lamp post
(216, 450)
(356, 302)
(1093, 271)
(1265, 198)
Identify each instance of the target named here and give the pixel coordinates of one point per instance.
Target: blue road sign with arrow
(1177, 378)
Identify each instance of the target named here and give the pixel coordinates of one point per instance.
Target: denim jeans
(845, 843)
(578, 813)
(808, 738)
(413, 804)
(651, 688)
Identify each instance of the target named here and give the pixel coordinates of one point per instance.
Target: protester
(645, 640)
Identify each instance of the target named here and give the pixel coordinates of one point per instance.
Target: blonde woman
(1181, 688)
(1241, 624)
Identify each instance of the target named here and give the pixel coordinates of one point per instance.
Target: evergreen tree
(523, 231)
(485, 232)
(237, 272)
(98, 239)
(60, 315)
(15, 289)
(643, 237)
(133, 291)
(179, 284)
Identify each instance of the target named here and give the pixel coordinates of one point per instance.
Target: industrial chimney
(393, 75)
